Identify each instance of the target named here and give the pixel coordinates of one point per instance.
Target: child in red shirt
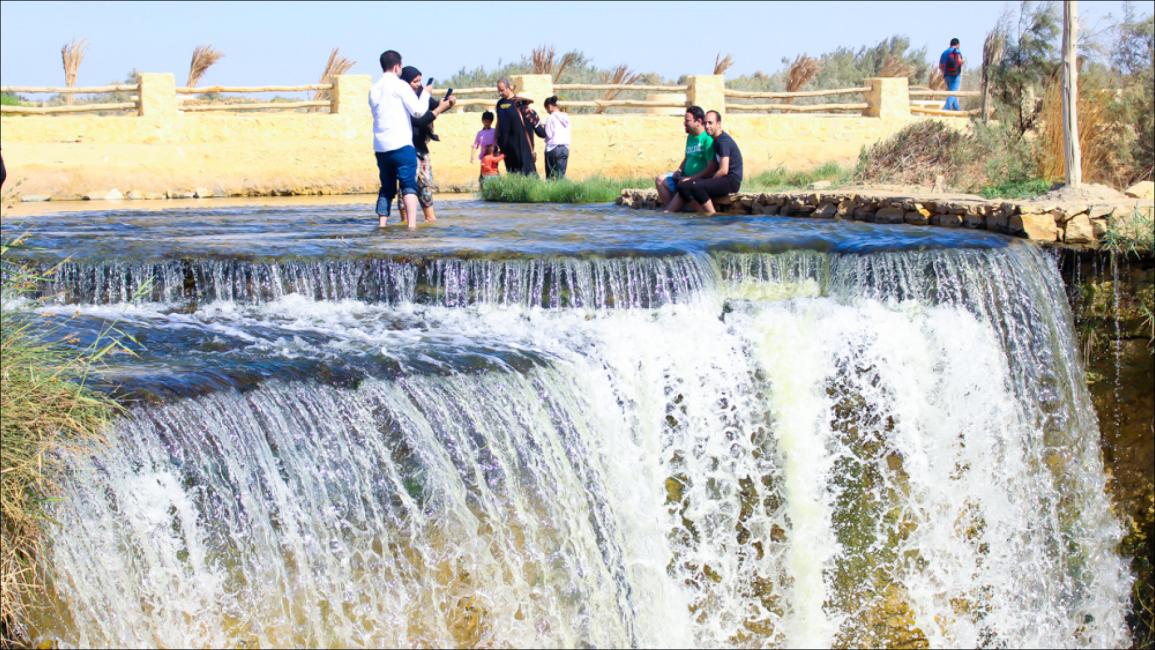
(489, 164)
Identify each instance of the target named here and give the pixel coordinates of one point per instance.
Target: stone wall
(166, 152)
(1070, 223)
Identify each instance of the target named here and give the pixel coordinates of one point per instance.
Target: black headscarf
(409, 73)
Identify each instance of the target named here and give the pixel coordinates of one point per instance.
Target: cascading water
(813, 447)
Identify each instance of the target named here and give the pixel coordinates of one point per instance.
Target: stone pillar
(532, 86)
(157, 95)
(350, 96)
(707, 91)
(887, 97)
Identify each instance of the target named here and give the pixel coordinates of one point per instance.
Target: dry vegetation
(800, 73)
(722, 63)
(335, 66)
(71, 55)
(203, 58)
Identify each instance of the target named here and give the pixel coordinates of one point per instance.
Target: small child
(485, 137)
(489, 162)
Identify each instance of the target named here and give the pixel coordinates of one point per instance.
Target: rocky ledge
(1080, 223)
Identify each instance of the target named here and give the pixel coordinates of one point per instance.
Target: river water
(573, 426)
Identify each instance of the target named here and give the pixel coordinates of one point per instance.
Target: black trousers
(556, 161)
(701, 190)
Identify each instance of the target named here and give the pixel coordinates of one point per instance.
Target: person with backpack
(951, 63)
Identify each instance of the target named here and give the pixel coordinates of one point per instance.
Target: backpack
(953, 65)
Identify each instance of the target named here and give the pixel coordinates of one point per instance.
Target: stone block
(1038, 227)
(1078, 230)
(916, 218)
(181, 194)
(998, 219)
(1141, 190)
(947, 220)
(35, 198)
(864, 213)
(974, 219)
(826, 211)
(889, 215)
(104, 195)
(203, 193)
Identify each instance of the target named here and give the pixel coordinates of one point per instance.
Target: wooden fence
(133, 104)
(708, 91)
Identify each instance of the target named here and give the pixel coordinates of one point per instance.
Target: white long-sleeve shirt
(556, 130)
(393, 102)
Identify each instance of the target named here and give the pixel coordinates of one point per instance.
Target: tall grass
(781, 178)
(516, 188)
(45, 408)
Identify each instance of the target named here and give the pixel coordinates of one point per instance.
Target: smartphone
(447, 94)
(429, 81)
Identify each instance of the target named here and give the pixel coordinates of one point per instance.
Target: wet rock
(947, 220)
(863, 214)
(889, 215)
(974, 219)
(916, 218)
(35, 198)
(181, 194)
(826, 211)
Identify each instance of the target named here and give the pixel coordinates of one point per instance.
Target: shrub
(516, 188)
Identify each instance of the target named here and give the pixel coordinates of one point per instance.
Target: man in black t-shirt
(728, 177)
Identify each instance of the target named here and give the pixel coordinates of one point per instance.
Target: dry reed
(895, 67)
(203, 58)
(993, 47)
(544, 61)
(800, 73)
(936, 80)
(1098, 136)
(335, 66)
(722, 64)
(621, 75)
(71, 55)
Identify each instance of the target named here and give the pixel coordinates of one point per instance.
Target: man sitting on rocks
(699, 193)
(695, 164)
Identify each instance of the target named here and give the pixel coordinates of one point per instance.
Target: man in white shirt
(393, 102)
(555, 130)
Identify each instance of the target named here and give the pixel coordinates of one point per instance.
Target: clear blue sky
(288, 42)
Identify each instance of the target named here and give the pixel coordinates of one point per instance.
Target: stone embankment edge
(1069, 223)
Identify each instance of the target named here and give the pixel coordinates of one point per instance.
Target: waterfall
(736, 449)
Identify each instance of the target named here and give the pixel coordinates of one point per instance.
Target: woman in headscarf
(422, 134)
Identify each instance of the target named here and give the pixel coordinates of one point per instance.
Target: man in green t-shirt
(696, 163)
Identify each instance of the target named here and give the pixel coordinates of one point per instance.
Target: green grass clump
(516, 188)
(44, 407)
(1017, 189)
(9, 99)
(781, 178)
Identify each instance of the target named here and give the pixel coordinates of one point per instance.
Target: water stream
(546, 427)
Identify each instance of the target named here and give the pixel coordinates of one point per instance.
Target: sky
(287, 43)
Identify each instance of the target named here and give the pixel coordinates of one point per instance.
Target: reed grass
(71, 55)
(45, 408)
(336, 65)
(801, 71)
(203, 58)
(619, 75)
(722, 63)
